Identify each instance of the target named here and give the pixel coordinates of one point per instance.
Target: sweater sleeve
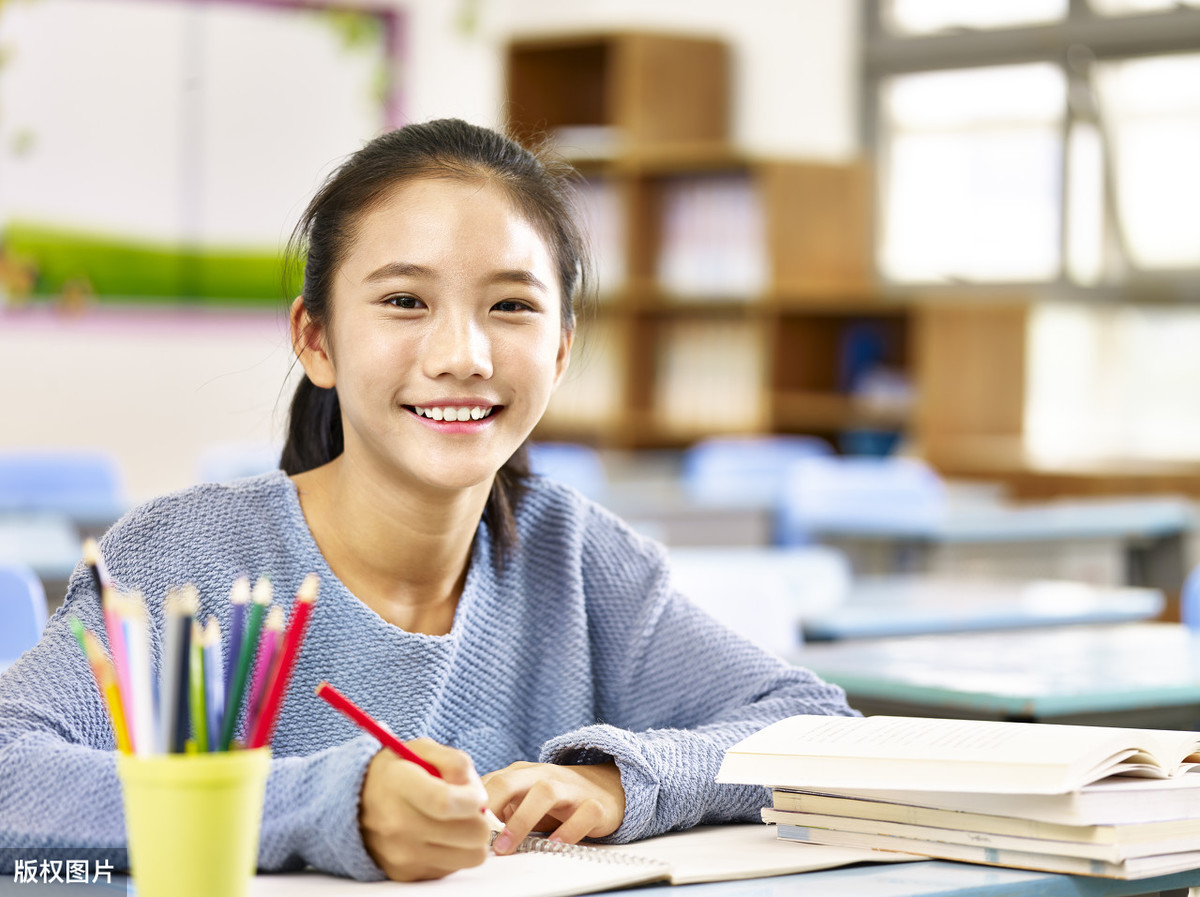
(675, 689)
(60, 797)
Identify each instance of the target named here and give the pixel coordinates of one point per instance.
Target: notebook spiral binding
(538, 844)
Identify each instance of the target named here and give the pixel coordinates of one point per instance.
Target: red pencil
(382, 734)
(385, 737)
(264, 724)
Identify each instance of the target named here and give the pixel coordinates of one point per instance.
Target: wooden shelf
(803, 411)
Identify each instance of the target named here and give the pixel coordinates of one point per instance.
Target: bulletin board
(161, 150)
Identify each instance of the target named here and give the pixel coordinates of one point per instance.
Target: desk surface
(1034, 674)
(880, 606)
(935, 878)
(1119, 518)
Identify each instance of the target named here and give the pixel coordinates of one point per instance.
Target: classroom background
(898, 300)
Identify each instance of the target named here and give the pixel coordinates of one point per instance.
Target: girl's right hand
(416, 826)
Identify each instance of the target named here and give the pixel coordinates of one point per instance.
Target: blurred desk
(1130, 674)
(1148, 533)
(880, 606)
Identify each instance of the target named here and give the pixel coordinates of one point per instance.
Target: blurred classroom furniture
(731, 470)
(22, 609)
(1142, 675)
(764, 593)
(86, 486)
(576, 465)
(920, 604)
(225, 461)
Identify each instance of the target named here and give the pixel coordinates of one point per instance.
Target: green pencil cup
(192, 821)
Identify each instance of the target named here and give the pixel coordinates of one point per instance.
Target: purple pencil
(268, 647)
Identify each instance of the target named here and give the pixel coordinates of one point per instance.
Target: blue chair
(22, 611)
(744, 470)
(1189, 600)
(222, 462)
(861, 496)
(572, 464)
(83, 484)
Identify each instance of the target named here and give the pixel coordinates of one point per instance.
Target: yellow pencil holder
(192, 821)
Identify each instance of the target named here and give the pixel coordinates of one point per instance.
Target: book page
(940, 752)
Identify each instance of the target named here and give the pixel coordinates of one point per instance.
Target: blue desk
(1134, 674)
(881, 606)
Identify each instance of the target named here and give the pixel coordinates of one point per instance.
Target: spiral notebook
(545, 869)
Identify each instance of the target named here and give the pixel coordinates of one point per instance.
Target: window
(1035, 141)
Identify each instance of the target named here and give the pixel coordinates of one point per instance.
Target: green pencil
(196, 688)
(259, 600)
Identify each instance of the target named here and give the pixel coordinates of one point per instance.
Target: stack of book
(1084, 800)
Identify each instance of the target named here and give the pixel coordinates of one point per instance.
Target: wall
(156, 388)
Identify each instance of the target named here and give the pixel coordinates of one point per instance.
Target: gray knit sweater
(577, 650)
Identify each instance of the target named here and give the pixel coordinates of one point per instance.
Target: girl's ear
(310, 346)
(563, 361)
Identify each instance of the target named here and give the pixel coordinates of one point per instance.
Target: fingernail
(503, 842)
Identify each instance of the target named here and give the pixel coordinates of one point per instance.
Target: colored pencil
(239, 596)
(386, 737)
(196, 702)
(268, 650)
(214, 683)
(137, 643)
(179, 612)
(264, 724)
(242, 662)
(107, 682)
(94, 561)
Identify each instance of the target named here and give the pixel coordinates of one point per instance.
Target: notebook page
(749, 850)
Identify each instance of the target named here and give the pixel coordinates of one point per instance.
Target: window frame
(1082, 37)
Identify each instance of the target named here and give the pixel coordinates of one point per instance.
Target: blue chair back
(223, 462)
(744, 470)
(860, 496)
(22, 611)
(85, 485)
(575, 465)
(1189, 600)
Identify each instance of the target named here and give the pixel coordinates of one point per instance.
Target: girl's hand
(570, 802)
(416, 826)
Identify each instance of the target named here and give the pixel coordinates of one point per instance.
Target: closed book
(1117, 800)
(1132, 868)
(1184, 836)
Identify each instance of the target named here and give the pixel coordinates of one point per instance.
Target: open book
(882, 752)
(706, 853)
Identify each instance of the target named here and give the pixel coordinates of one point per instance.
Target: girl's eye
(512, 305)
(404, 302)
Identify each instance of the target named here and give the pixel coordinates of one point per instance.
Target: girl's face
(444, 338)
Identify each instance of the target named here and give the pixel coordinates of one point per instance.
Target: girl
(502, 622)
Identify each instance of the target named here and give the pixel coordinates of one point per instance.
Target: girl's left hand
(570, 802)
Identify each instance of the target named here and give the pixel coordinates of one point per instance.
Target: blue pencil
(239, 595)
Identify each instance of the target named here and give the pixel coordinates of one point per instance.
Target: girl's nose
(459, 347)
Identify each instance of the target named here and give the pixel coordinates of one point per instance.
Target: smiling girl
(500, 622)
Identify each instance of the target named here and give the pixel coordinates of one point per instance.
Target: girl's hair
(447, 148)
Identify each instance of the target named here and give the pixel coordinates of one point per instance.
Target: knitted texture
(578, 650)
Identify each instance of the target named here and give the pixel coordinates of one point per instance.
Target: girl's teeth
(454, 413)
